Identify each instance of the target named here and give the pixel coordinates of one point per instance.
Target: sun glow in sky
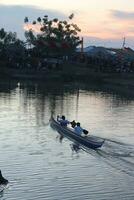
(103, 22)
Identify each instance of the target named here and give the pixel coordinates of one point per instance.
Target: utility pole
(82, 48)
(82, 45)
(124, 42)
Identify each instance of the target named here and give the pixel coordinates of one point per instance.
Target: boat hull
(88, 142)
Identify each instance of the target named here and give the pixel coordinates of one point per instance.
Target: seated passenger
(73, 124)
(78, 129)
(62, 121)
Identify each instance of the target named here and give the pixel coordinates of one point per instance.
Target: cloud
(106, 31)
(116, 25)
(12, 17)
(122, 15)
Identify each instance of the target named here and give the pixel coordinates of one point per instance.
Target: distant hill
(126, 53)
(93, 50)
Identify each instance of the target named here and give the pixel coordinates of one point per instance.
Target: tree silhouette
(56, 37)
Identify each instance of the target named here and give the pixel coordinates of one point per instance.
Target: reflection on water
(41, 164)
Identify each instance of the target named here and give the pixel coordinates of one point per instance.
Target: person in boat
(79, 130)
(62, 120)
(3, 181)
(73, 124)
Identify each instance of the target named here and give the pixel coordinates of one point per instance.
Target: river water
(40, 166)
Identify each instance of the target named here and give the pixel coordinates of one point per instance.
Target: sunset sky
(103, 22)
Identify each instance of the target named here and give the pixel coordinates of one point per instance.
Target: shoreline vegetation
(119, 82)
(53, 55)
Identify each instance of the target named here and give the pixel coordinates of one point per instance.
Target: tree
(55, 37)
(12, 50)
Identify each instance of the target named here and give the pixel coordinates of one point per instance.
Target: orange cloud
(33, 27)
(108, 27)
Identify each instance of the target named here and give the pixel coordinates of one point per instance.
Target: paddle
(85, 131)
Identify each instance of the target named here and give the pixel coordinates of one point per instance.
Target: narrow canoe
(87, 141)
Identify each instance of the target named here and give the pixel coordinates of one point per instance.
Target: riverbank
(123, 82)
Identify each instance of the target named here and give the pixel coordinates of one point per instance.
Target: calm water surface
(40, 166)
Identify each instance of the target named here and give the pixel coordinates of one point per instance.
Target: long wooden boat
(87, 141)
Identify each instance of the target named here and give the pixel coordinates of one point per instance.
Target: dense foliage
(55, 37)
(12, 50)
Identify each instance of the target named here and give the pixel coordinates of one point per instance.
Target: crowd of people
(109, 64)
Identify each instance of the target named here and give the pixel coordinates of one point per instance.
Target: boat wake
(118, 155)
